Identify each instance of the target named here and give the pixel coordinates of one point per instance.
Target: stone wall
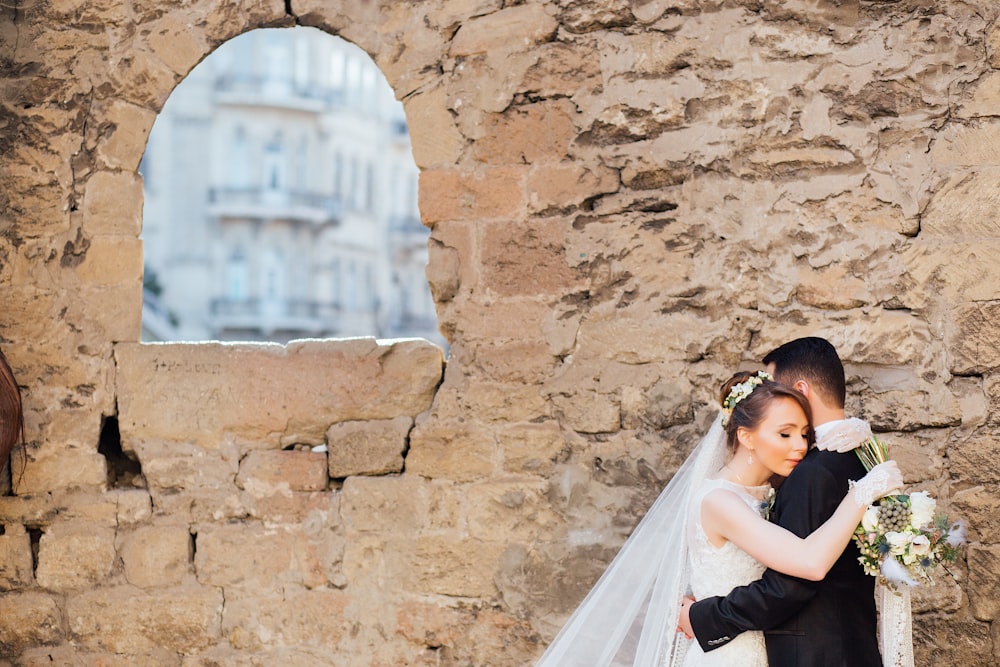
(627, 201)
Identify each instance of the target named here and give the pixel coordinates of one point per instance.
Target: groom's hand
(684, 624)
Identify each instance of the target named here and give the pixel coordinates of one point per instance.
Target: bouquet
(903, 539)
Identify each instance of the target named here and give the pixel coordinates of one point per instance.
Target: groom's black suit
(828, 623)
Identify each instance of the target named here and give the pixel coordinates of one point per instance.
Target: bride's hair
(750, 411)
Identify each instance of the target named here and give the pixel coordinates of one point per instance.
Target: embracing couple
(776, 579)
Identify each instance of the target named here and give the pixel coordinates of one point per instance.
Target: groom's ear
(803, 388)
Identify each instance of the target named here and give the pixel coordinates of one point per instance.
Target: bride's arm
(725, 515)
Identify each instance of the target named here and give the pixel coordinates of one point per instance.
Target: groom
(828, 623)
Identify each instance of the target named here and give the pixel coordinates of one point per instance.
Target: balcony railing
(276, 92)
(270, 204)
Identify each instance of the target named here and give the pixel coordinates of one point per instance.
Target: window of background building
(287, 154)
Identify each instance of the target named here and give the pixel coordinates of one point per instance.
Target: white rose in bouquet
(870, 520)
(922, 508)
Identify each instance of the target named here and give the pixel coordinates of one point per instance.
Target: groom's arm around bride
(829, 623)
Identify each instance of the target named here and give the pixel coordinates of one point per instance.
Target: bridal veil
(630, 616)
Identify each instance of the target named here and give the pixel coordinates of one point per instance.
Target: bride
(708, 533)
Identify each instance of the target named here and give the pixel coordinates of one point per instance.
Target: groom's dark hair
(814, 360)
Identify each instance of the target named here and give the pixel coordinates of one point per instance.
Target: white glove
(880, 481)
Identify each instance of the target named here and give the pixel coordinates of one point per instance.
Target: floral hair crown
(741, 391)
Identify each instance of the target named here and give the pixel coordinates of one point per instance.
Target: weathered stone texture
(627, 201)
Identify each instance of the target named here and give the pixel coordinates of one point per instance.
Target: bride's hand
(880, 481)
(684, 624)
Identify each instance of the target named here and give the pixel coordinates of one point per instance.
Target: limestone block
(972, 462)
(979, 506)
(974, 345)
(517, 361)
(68, 655)
(831, 288)
(946, 638)
(444, 565)
(28, 619)
(527, 134)
(450, 450)
(68, 468)
(131, 506)
(563, 70)
(581, 17)
(528, 260)
(15, 558)
(976, 144)
(125, 619)
(516, 509)
(920, 454)
(901, 410)
(187, 467)
(961, 271)
(982, 98)
(177, 43)
(963, 207)
(993, 45)
(503, 319)
(984, 581)
(531, 448)
(112, 204)
(435, 138)
(255, 557)
(561, 186)
(367, 448)
(289, 507)
(517, 27)
(75, 555)
(125, 142)
(390, 505)
(195, 392)
(112, 261)
(157, 556)
(316, 618)
(491, 193)
(267, 471)
(589, 412)
(884, 337)
(943, 594)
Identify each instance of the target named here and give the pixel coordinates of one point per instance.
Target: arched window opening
(285, 199)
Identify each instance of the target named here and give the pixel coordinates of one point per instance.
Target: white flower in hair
(741, 391)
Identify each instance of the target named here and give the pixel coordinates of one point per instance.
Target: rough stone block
(268, 471)
(450, 450)
(301, 618)
(157, 556)
(111, 261)
(367, 448)
(531, 448)
(444, 565)
(527, 135)
(558, 187)
(124, 619)
(176, 42)
(974, 345)
(527, 260)
(122, 147)
(979, 506)
(256, 557)
(75, 555)
(492, 193)
(15, 558)
(28, 619)
(198, 391)
(434, 136)
(984, 581)
(112, 204)
(70, 468)
(393, 505)
(514, 28)
(518, 510)
(962, 208)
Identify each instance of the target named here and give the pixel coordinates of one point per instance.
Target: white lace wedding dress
(718, 570)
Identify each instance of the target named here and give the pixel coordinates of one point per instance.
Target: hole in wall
(124, 471)
(35, 537)
(280, 199)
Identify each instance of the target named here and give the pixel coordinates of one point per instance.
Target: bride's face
(780, 441)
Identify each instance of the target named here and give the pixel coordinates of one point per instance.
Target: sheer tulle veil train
(630, 616)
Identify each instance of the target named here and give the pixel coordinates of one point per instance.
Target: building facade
(281, 199)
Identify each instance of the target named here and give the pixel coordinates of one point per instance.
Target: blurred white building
(281, 199)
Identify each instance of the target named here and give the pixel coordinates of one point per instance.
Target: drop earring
(750, 459)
